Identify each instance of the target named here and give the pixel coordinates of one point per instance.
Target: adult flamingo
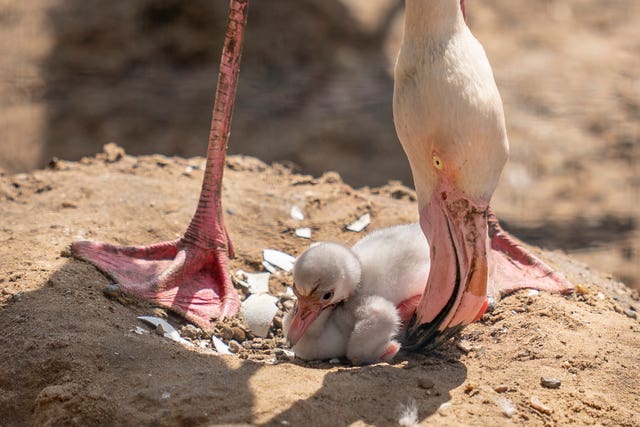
(450, 121)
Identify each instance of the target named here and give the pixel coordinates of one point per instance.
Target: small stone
(443, 410)
(235, 347)
(471, 389)
(159, 312)
(112, 153)
(284, 354)
(191, 332)
(550, 382)
(630, 313)
(425, 383)
(247, 345)
(238, 334)
(159, 330)
(277, 322)
(536, 404)
(501, 388)
(227, 333)
(111, 291)
(465, 346)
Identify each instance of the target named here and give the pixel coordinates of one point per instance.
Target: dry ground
(70, 355)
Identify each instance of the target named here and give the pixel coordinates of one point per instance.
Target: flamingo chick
(352, 302)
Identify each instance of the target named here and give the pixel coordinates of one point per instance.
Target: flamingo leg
(189, 275)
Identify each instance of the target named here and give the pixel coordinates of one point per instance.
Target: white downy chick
(348, 299)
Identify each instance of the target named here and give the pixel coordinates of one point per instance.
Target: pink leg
(190, 275)
(392, 349)
(407, 308)
(512, 267)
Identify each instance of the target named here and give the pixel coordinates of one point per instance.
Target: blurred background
(316, 88)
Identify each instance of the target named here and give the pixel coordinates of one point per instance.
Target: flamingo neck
(433, 19)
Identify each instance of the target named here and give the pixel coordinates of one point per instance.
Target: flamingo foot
(187, 279)
(513, 267)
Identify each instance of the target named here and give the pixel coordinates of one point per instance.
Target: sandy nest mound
(72, 355)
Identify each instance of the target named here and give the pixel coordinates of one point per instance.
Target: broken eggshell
(279, 259)
(360, 224)
(256, 282)
(296, 213)
(169, 331)
(220, 346)
(258, 311)
(304, 232)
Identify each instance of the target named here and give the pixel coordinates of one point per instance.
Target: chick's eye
(327, 296)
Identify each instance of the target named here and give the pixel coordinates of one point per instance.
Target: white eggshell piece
(258, 311)
(256, 282)
(360, 224)
(296, 213)
(220, 346)
(270, 268)
(304, 232)
(169, 331)
(279, 259)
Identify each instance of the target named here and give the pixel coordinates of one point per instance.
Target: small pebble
(111, 291)
(238, 334)
(465, 346)
(247, 345)
(235, 347)
(425, 383)
(550, 382)
(227, 333)
(277, 322)
(191, 332)
(630, 313)
(443, 410)
(160, 330)
(501, 388)
(159, 312)
(539, 406)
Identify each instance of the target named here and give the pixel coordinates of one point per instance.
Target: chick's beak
(307, 310)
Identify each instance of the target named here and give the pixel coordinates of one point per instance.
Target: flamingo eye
(438, 163)
(327, 296)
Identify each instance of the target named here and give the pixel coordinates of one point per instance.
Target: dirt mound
(72, 356)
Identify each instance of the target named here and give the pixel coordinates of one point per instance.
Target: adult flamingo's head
(449, 118)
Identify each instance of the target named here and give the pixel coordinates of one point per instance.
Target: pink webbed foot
(512, 267)
(190, 280)
(189, 276)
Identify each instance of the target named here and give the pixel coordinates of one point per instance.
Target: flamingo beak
(456, 228)
(307, 310)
